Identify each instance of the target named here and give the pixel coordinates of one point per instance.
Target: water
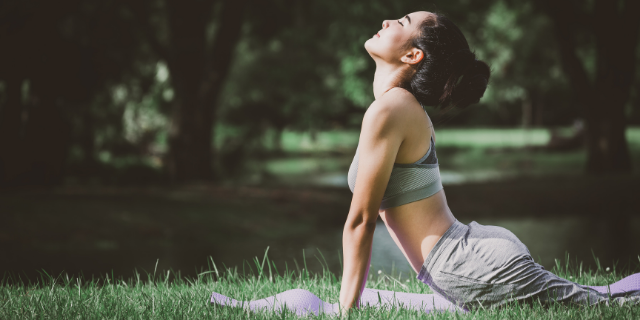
(114, 231)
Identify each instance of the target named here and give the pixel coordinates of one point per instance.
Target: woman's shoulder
(397, 97)
(393, 111)
(396, 104)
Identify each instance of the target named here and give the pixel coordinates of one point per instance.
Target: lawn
(471, 153)
(446, 137)
(165, 295)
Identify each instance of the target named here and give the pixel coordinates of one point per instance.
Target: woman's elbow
(361, 221)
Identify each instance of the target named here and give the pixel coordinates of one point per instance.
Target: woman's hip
(476, 262)
(475, 251)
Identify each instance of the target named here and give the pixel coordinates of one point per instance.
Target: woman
(424, 59)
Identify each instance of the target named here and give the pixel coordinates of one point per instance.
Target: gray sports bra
(408, 182)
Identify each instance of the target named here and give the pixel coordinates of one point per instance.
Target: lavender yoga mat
(303, 302)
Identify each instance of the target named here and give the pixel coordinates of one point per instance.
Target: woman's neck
(387, 76)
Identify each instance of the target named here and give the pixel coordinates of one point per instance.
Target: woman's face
(389, 44)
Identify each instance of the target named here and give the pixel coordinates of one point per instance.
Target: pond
(99, 231)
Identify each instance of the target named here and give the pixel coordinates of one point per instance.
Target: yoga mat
(303, 302)
(630, 283)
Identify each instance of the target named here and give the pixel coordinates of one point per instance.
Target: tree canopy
(187, 87)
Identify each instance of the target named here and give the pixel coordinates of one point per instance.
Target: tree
(199, 63)
(198, 68)
(56, 57)
(614, 27)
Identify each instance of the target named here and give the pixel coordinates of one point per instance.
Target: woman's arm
(380, 139)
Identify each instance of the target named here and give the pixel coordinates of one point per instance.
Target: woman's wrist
(345, 308)
(347, 305)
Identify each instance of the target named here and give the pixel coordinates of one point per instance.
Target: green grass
(474, 153)
(166, 295)
(447, 137)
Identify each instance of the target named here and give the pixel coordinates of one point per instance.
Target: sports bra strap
(428, 151)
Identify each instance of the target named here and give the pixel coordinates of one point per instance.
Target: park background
(167, 134)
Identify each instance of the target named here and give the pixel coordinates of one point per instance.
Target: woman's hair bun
(467, 87)
(450, 74)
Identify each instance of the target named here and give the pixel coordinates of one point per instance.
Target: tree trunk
(10, 128)
(87, 143)
(277, 140)
(607, 150)
(197, 76)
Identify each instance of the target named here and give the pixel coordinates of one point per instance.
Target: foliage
(298, 65)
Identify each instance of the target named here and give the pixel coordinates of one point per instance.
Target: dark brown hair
(449, 75)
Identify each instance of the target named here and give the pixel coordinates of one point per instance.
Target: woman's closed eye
(400, 23)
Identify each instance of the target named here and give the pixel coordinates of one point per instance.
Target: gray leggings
(473, 265)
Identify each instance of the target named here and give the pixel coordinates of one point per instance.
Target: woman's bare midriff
(417, 226)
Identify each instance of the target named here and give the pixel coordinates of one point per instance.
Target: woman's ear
(413, 56)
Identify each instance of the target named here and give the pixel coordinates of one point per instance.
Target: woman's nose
(385, 24)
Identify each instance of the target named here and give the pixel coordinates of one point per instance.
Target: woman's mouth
(378, 35)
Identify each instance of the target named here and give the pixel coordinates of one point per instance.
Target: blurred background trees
(159, 90)
(609, 31)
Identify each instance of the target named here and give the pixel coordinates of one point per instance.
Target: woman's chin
(371, 49)
(368, 45)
